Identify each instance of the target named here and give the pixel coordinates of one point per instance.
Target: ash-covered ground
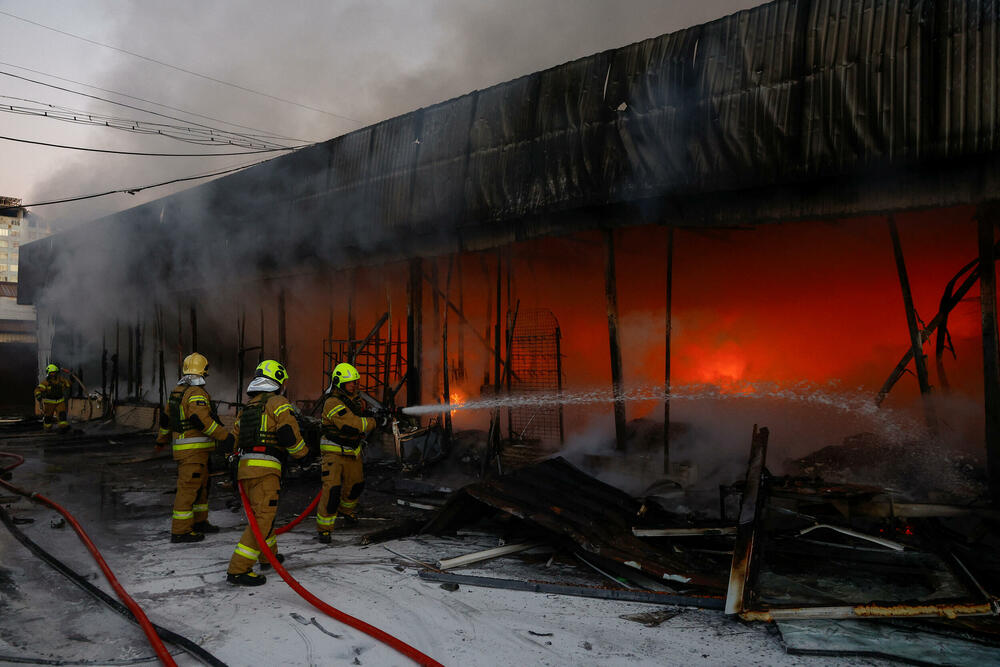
(122, 493)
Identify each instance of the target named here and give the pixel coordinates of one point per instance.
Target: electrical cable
(181, 69)
(141, 618)
(265, 133)
(356, 623)
(115, 605)
(188, 134)
(132, 191)
(113, 152)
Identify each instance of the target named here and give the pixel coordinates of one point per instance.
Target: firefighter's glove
(383, 417)
(229, 444)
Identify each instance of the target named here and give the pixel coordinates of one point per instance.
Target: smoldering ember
(684, 352)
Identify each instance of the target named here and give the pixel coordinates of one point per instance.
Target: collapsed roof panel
(556, 496)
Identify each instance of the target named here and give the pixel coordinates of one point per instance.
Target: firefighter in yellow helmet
(51, 394)
(266, 434)
(345, 426)
(189, 424)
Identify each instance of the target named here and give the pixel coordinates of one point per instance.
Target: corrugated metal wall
(791, 92)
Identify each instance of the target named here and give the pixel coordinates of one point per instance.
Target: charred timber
(987, 219)
(873, 610)
(743, 571)
(617, 376)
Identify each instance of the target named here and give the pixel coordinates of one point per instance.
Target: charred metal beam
(577, 591)
(282, 341)
(617, 376)
(367, 339)
(742, 573)
(683, 532)
(987, 217)
(194, 328)
(941, 318)
(666, 347)
(918, 510)
(916, 341)
(467, 324)
(414, 329)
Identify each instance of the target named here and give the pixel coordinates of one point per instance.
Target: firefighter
(51, 394)
(266, 433)
(345, 426)
(189, 424)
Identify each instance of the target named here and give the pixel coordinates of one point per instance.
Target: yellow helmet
(195, 364)
(272, 369)
(51, 368)
(344, 372)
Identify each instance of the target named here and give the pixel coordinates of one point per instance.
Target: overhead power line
(188, 134)
(264, 133)
(114, 152)
(186, 71)
(132, 191)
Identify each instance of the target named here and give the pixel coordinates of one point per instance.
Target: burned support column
(916, 339)
(139, 352)
(114, 367)
(282, 343)
(352, 323)
(104, 365)
(991, 365)
(180, 341)
(194, 328)
(611, 296)
(746, 551)
(129, 375)
(495, 421)
(444, 355)
(666, 365)
(414, 330)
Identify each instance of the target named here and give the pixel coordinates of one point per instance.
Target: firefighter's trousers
(53, 411)
(262, 491)
(191, 501)
(343, 481)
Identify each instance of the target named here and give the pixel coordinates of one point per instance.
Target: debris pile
(841, 568)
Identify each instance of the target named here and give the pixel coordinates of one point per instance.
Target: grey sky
(364, 59)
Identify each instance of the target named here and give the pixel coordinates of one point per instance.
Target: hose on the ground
(294, 522)
(356, 623)
(140, 615)
(81, 581)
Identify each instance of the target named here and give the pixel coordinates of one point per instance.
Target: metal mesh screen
(536, 366)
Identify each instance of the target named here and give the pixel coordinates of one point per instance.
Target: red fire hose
(147, 627)
(358, 624)
(294, 522)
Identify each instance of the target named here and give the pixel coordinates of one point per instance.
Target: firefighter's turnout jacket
(52, 393)
(189, 425)
(344, 429)
(266, 434)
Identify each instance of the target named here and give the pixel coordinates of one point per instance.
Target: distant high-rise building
(17, 226)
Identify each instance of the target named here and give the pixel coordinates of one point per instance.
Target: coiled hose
(356, 623)
(133, 607)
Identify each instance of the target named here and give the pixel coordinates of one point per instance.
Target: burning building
(780, 196)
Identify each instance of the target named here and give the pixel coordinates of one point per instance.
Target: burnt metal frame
(742, 576)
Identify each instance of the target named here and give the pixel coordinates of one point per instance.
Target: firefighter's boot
(205, 527)
(246, 579)
(265, 564)
(193, 536)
